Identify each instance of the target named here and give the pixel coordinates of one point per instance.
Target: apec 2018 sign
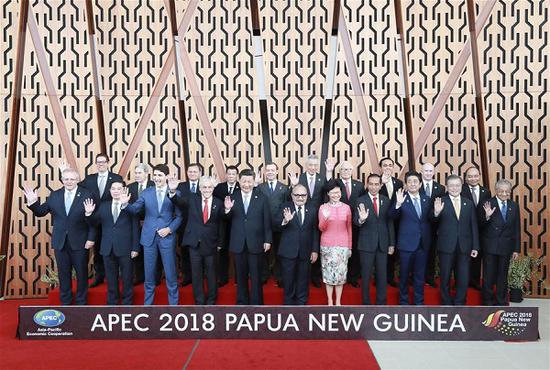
(279, 322)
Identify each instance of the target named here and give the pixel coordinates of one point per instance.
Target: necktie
(503, 210)
(159, 199)
(474, 195)
(205, 211)
(417, 207)
(456, 205)
(245, 203)
(428, 190)
(140, 189)
(348, 189)
(115, 211)
(311, 185)
(272, 187)
(230, 190)
(68, 201)
(193, 188)
(299, 214)
(101, 185)
(389, 188)
(375, 205)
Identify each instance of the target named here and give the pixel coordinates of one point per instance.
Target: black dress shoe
(138, 282)
(96, 283)
(222, 283)
(186, 283)
(475, 285)
(354, 284)
(279, 283)
(392, 283)
(431, 283)
(316, 284)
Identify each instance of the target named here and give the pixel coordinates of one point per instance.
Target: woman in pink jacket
(335, 226)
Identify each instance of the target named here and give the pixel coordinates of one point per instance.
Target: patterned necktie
(348, 189)
(159, 199)
(140, 189)
(417, 207)
(311, 185)
(428, 190)
(299, 214)
(245, 203)
(474, 195)
(68, 201)
(101, 185)
(193, 188)
(375, 205)
(205, 211)
(503, 210)
(456, 205)
(115, 211)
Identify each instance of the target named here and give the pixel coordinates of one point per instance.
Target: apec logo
(49, 318)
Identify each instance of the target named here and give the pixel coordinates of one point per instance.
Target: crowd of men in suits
(271, 228)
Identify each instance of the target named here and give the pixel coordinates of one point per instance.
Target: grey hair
(143, 167)
(503, 182)
(205, 179)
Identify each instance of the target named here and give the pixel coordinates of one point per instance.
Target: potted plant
(521, 270)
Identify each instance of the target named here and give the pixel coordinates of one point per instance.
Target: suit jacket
(275, 199)
(484, 194)
(169, 216)
(90, 183)
(133, 190)
(414, 232)
(377, 232)
(397, 184)
(206, 237)
(221, 191)
(318, 196)
(498, 236)
(252, 228)
(298, 241)
(73, 226)
(120, 237)
(357, 190)
(437, 191)
(453, 232)
(184, 189)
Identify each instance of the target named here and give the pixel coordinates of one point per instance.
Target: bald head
(346, 169)
(428, 172)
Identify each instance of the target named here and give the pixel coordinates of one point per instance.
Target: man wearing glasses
(299, 246)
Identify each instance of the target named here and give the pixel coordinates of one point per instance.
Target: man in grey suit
(376, 237)
(276, 193)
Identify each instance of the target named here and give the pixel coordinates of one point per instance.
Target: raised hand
(488, 210)
(438, 206)
(89, 206)
(363, 212)
(330, 163)
(258, 177)
(30, 194)
(386, 177)
(288, 215)
(125, 196)
(173, 182)
(400, 196)
(228, 203)
(293, 177)
(63, 165)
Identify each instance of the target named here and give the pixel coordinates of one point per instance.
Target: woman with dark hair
(335, 226)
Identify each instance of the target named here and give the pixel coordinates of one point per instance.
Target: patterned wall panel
(134, 43)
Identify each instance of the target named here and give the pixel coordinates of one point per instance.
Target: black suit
(376, 234)
(221, 191)
(69, 236)
(456, 238)
(436, 191)
(202, 241)
(392, 258)
(90, 183)
(499, 239)
(139, 271)
(185, 189)
(118, 240)
(276, 198)
(483, 196)
(249, 231)
(356, 190)
(298, 241)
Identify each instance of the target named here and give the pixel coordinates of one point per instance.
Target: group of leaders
(315, 228)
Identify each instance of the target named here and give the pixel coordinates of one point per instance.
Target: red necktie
(375, 205)
(348, 191)
(205, 211)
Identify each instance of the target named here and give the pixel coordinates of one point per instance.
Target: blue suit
(413, 243)
(69, 235)
(153, 244)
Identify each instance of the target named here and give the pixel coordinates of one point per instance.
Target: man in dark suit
(376, 237)
(221, 191)
(276, 193)
(202, 236)
(119, 243)
(433, 190)
(186, 188)
(250, 216)
(351, 191)
(478, 195)
(500, 239)
(314, 183)
(142, 182)
(413, 212)
(299, 245)
(99, 184)
(390, 186)
(158, 235)
(457, 240)
(72, 236)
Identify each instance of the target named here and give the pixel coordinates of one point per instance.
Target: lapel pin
(255, 197)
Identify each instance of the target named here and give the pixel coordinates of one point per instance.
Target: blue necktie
(417, 207)
(193, 188)
(68, 202)
(159, 200)
(503, 210)
(271, 187)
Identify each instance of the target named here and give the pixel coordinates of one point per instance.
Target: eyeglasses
(100, 162)
(299, 195)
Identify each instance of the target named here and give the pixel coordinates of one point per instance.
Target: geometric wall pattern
(134, 43)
